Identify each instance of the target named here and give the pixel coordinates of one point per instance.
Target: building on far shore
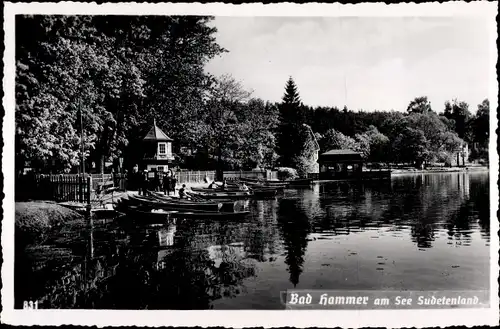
(157, 150)
(340, 164)
(347, 164)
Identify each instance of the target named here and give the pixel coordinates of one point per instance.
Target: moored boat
(211, 190)
(221, 195)
(277, 183)
(227, 205)
(172, 205)
(149, 216)
(252, 188)
(144, 214)
(211, 215)
(268, 183)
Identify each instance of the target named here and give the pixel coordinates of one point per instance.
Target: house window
(159, 168)
(162, 148)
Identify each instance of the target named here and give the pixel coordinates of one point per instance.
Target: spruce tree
(291, 96)
(291, 124)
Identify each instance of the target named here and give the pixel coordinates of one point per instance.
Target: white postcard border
(386, 318)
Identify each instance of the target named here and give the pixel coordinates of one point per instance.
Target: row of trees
(418, 136)
(114, 74)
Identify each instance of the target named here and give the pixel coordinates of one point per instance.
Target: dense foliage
(115, 74)
(120, 72)
(418, 136)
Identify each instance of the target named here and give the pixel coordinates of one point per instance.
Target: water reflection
(166, 235)
(295, 228)
(188, 264)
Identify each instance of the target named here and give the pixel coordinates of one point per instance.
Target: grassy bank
(36, 221)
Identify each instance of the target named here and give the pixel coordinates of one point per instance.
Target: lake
(415, 232)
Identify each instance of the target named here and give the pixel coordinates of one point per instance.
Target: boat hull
(264, 183)
(145, 215)
(221, 195)
(227, 205)
(148, 217)
(155, 203)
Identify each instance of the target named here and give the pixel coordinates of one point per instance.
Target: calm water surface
(416, 232)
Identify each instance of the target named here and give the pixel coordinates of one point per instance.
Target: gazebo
(157, 150)
(340, 164)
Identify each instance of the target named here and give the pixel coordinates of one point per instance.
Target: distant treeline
(115, 74)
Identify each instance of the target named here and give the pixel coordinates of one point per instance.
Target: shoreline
(439, 170)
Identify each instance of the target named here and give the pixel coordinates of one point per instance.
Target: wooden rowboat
(172, 205)
(215, 190)
(150, 216)
(221, 195)
(269, 183)
(293, 182)
(227, 205)
(231, 190)
(211, 215)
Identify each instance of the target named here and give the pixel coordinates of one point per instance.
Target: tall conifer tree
(291, 125)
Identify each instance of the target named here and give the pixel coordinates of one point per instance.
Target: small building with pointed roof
(157, 150)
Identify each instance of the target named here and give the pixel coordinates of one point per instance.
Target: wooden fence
(60, 188)
(194, 176)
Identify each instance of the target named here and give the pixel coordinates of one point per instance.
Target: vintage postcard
(318, 165)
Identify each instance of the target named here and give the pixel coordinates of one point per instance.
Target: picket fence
(59, 188)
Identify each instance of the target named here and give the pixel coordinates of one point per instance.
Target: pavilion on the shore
(340, 164)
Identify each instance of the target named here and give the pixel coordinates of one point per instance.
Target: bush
(305, 165)
(285, 173)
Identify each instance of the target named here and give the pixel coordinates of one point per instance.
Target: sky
(361, 62)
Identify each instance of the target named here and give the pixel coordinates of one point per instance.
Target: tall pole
(82, 144)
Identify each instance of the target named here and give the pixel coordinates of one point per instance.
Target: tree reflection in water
(351, 207)
(295, 228)
(418, 204)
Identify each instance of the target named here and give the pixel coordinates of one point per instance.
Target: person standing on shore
(144, 182)
(167, 183)
(173, 181)
(157, 181)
